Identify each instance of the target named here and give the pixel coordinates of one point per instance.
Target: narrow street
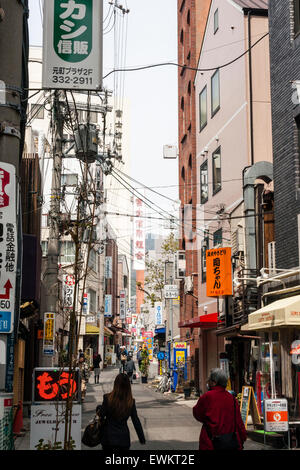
(167, 420)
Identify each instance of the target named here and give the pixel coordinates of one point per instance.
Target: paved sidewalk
(167, 419)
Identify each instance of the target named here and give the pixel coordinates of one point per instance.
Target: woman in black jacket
(117, 407)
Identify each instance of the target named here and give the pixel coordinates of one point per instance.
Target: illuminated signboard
(54, 384)
(138, 236)
(218, 272)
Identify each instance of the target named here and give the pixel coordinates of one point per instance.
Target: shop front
(278, 372)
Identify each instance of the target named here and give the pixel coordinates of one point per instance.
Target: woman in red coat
(215, 409)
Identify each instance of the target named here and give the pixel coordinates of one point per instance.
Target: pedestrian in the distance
(96, 365)
(219, 412)
(116, 408)
(130, 367)
(139, 356)
(123, 359)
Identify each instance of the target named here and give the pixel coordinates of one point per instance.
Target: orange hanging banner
(218, 272)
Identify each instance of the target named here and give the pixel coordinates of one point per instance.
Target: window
(67, 252)
(188, 18)
(69, 180)
(93, 260)
(215, 93)
(37, 111)
(218, 237)
(204, 247)
(181, 36)
(204, 182)
(44, 246)
(93, 301)
(216, 21)
(216, 167)
(296, 17)
(203, 108)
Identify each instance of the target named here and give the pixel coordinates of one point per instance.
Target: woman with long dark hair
(116, 408)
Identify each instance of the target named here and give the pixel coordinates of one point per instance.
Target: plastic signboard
(72, 44)
(48, 426)
(218, 272)
(8, 247)
(276, 415)
(51, 384)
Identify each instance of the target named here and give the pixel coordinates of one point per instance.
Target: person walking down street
(139, 356)
(130, 367)
(123, 359)
(116, 409)
(96, 365)
(219, 412)
(84, 373)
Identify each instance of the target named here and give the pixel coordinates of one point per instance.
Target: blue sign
(5, 322)
(160, 356)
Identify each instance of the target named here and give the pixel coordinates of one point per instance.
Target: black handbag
(134, 376)
(94, 432)
(225, 441)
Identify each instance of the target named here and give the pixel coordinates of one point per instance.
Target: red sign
(4, 180)
(55, 385)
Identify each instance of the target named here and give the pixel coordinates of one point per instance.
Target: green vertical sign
(73, 29)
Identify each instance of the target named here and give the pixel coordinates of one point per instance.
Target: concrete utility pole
(51, 273)
(11, 94)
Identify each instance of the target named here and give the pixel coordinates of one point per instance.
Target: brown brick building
(192, 16)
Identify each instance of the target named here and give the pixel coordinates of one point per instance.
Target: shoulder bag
(94, 432)
(225, 441)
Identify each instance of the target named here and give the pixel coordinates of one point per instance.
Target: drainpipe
(250, 87)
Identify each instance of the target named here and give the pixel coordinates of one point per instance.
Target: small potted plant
(144, 367)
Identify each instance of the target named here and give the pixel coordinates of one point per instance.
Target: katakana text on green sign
(73, 29)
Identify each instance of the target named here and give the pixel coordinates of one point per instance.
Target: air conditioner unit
(271, 258)
(180, 264)
(188, 284)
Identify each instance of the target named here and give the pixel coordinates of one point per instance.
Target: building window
(215, 93)
(216, 21)
(296, 17)
(93, 260)
(37, 111)
(44, 246)
(218, 237)
(204, 247)
(93, 301)
(203, 108)
(204, 182)
(181, 36)
(67, 252)
(216, 167)
(188, 18)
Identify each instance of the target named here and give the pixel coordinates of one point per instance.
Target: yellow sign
(180, 356)
(248, 404)
(49, 326)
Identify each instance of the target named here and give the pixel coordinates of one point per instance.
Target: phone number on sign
(73, 80)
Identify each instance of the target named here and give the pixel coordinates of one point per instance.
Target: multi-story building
(192, 16)
(233, 135)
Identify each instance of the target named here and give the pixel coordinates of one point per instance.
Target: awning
(283, 312)
(160, 331)
(209, 320)
(108, 332)
(91, 329)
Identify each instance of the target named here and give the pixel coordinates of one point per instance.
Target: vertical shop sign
(108, 267)
(68, 290)
(49, 329)
(72, 44)
(108, 305)
(122, 304)
(8, 246)
(158, 313)
(138, 236)
(86, 304)
(218, 272)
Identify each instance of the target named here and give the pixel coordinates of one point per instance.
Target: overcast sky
(152, 93)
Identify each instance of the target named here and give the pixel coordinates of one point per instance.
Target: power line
(186, 66)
